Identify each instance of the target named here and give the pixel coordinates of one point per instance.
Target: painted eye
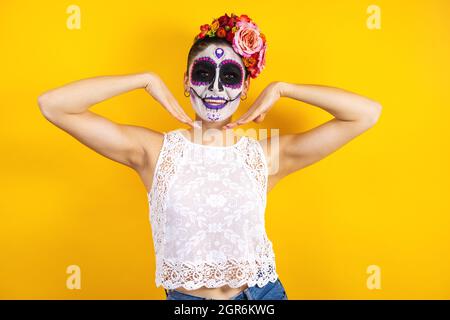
(230, 74)
(202, 75)
(203, 71)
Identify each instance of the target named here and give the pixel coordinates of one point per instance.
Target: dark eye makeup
(204, 72)
(230, 74)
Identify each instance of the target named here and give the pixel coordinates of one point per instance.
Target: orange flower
(214, 25)
(249, 62)
(221, 33)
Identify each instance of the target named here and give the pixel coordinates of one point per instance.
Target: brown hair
(202, 44)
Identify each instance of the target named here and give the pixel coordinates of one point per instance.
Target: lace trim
(231, 272)
(164, 170)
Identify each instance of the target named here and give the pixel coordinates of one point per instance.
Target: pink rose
(262, 58)
(247, 24)
(247, 39)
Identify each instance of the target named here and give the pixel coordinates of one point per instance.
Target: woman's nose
(216, 85)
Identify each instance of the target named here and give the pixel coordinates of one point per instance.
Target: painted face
(216, 79)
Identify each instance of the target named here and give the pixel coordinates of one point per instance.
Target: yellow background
(383, 199)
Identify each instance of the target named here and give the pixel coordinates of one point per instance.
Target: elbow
(45, 104)
(373, 113)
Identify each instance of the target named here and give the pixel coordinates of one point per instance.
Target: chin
(214, 111)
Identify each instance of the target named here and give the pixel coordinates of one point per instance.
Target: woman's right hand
(159, 91)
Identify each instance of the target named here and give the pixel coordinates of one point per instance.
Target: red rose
(244, 18)
(221, 33)
(230, 36)
(223, 20)
(204, 27)
(232, 21)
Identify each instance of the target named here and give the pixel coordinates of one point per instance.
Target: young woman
(206, 185)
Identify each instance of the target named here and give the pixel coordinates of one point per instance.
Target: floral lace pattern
(207, 208)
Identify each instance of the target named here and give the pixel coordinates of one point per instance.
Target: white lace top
(207, 206)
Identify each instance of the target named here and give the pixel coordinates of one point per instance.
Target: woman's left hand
(260, 107)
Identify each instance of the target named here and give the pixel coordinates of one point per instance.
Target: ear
(186, 82)
(246, 85)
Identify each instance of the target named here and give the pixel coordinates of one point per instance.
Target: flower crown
(244, 36)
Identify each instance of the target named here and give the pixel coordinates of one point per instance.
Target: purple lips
(215, 103)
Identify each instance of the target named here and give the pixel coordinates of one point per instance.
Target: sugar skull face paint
(216, 79)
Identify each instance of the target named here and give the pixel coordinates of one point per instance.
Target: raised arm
(353, 114)
(67, 107)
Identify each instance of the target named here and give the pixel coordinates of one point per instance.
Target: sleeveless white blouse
(207, 206)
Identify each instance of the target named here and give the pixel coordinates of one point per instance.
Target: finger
(186, 121)
(246, 118)
(260, 118)
(182, 115)
(183, 118)
(240, 119)
(259, 113)
(236, 123)
(179, 113)
(231, 124)
(254, 110)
